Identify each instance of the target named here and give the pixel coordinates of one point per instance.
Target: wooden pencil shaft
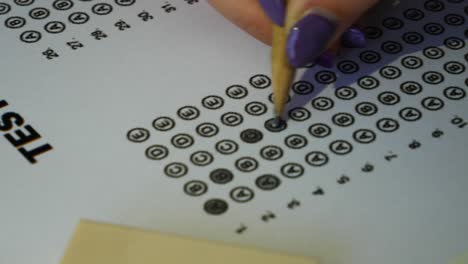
(282, 72)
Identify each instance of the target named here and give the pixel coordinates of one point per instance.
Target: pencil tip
(278, 121)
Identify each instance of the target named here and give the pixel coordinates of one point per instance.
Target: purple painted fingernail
(275, 9)
(309, 38)
(327, 59)
(354, 38)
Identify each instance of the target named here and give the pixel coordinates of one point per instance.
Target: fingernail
(354, 38)
(275, 9)
(327, 59)
(310, 36)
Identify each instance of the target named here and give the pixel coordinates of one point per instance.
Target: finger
(248, 15)
(318, 24)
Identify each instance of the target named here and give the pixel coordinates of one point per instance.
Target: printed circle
(251, 136)
(432, 77)
(39, 13)
(391, 47)
(271, 153)
(188, 113)
(368, 82)
(320, 130)
(221, 176)
(246, 164)
(227, 147)
(54, 27)
(256, 108)
(163, 123)
(242, 194)
(138, 135)
(392, 23)
(454, 20)
(260, 81)
(201, 158)
(15, 22)
(62, 5)
(316, 158)
(237, 92)
(370, 57)
(413, 38)
(389, 98)
(454, 67)
(322, 103)
(4, 8)
(213, 102)
(454, 43)
(390, 72)
(341, 147)
(343, 119)
(433, 53)
(125, 2)
(366, 109)
(268, 182)
(454, 93)
(345, 93)
(292, 170)
(232, 119)
(295, 141)
(303, 88)
(270, 98)
(215, 207)
(157, 152)
(30, 36)
(364, 136)
(432, 103)
(325, 77)
(434, 28)
(373, 32)
(182, 141)
(387, 125)
(78, 18)
(207, 129)
(273, 125)
(299, 114)
(412, 62)
(434, 5)
(24, 2)
(411, 88)
(102, 9)
(176, 170)
(348, 67)
(413, 14)
(410, 114)
(195, 188)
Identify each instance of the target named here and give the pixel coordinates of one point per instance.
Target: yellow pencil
(283, 73)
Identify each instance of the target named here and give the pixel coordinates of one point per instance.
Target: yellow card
(461, 260)
(97, 243)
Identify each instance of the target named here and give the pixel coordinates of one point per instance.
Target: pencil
(283, 73)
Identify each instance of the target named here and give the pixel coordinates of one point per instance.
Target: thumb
(314, 25)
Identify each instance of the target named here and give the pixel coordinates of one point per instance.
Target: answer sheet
(157, 114)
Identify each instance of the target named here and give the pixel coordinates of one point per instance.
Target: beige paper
(96, 243)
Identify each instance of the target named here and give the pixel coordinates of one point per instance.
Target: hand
(324, 27)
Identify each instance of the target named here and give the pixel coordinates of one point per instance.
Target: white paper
(384, 202)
